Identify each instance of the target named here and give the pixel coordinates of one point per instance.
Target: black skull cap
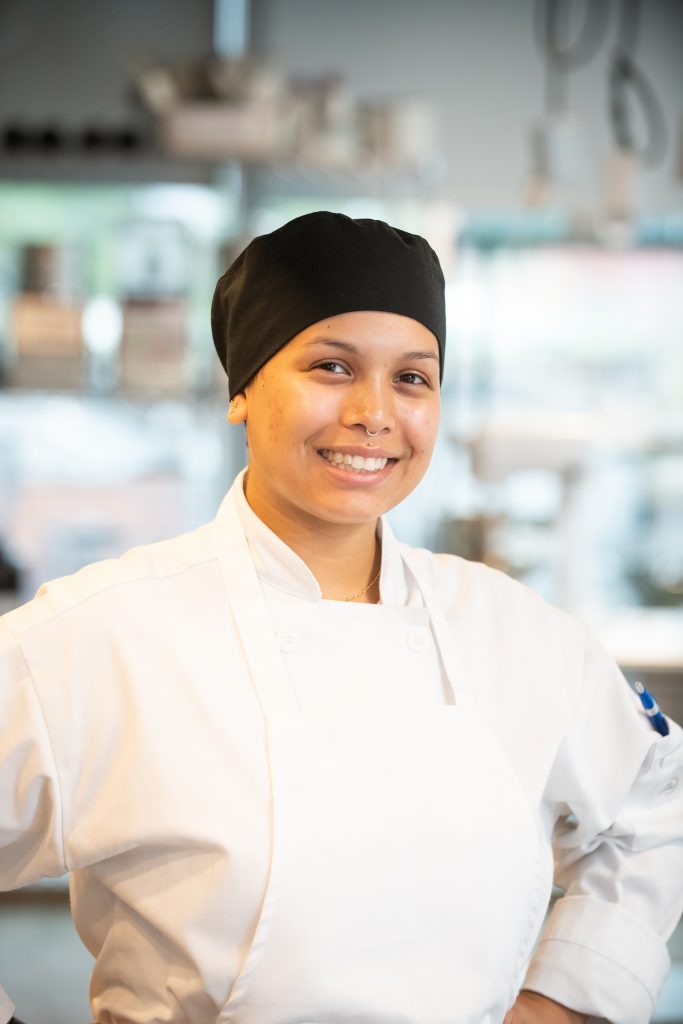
(315, 267)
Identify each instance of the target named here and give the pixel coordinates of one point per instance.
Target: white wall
(477, 61)
(73, 59)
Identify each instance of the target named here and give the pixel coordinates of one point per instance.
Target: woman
(302, 773)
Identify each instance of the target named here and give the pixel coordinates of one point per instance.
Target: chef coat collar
(279, 566)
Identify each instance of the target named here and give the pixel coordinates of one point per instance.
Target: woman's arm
(30, 832)
(30, 805)
(618, 851)
(533, 1008)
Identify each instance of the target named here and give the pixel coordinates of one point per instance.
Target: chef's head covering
(314, 267)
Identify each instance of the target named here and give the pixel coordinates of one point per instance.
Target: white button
(670, 786)
(288, 639)
(418, 640)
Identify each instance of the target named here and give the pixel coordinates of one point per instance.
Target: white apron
(406, 881)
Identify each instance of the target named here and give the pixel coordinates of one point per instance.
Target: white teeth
(354, 463)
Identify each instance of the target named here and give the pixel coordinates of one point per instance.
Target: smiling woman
(302, 772)
(340, 431)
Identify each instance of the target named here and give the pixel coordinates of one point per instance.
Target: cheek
(262, 428)
(421, 426)
(290, 420)
(271, 415)
(310, 413)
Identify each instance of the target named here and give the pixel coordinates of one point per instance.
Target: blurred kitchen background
(538, 144)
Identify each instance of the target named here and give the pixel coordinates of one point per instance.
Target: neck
(343, 557)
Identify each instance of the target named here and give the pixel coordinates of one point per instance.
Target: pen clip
(652, 710)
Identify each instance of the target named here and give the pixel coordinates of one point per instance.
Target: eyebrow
(346, 346)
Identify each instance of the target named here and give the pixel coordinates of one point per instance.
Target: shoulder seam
(112, 586)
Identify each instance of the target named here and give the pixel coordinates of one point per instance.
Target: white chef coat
(136, 753)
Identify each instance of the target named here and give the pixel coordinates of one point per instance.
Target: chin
(352, 514)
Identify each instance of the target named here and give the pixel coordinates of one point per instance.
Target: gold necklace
(365, 589)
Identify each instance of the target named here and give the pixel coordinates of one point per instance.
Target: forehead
(369, 332)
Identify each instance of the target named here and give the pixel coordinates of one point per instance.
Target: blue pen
(651, 709)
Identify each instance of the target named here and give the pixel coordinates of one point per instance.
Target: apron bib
(406, 878)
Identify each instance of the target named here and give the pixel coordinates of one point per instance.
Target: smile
(353, 463)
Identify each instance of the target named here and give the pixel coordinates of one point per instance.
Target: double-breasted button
(418, 640)
(288, 639)
(670, 786)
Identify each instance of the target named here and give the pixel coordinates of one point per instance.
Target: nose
(370, 407)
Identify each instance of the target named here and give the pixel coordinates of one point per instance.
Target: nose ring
(372, 433)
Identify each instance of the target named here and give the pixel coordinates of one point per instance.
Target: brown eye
(331, 366)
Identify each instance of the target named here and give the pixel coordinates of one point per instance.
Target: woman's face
(308, 409)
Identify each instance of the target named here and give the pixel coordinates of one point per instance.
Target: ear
(237, 410)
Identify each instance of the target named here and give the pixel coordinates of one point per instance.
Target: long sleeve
(30, 832)
(30, 807)
(618, 851)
